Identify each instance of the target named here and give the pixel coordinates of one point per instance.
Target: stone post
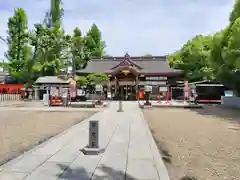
(93, 134)
(120, 106)
(93, 142)
(36, 93)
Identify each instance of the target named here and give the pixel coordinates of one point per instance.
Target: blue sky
(138, 27)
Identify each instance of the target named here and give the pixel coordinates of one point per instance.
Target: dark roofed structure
(128, 75)
(142, 65)
(51, 80)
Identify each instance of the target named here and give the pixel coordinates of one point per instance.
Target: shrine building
(128, 75)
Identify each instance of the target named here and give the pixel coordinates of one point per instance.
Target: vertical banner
(186, 91)
(73, 90)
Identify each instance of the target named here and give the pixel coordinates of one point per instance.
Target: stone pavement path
(130, 152)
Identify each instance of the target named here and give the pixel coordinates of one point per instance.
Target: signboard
(157, 78)
(99, 88)
(163, 89)
(147, 88)
(93, 134)
(152, 82)
(122, 83)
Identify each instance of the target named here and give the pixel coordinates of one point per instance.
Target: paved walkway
(131, 153)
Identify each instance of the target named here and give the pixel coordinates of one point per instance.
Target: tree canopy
(47, 50)
(213, 56)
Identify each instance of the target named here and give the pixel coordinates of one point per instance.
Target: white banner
(163, 89)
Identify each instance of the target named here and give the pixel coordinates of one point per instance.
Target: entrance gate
(126, 92)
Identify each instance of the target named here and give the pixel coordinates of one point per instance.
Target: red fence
(10, 88)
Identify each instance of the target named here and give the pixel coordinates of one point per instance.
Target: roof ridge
(130, 57)
(133, 60)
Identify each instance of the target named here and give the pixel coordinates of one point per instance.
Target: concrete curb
(186, 106)
(160, 166)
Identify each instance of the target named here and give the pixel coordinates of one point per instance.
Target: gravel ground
(22, 130)
(203, 143)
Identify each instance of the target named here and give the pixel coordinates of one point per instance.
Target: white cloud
(134, 26)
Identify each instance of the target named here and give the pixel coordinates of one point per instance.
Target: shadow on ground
(80, 173)
(220, 111)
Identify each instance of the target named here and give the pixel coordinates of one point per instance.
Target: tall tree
(18, 45)
(225, 54)
(52, 48)
(77, 50)
(93, 46)
(94, 40)
(231, 57)
(54, 16)
(235, 13)
(51, 45)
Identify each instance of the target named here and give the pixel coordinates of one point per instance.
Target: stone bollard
(93, 142)
(93, 134)
(120, 106)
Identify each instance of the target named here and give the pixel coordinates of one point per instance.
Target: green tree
(18, 46)
(54, 16)
(77, 50)
(93, 45)
(231, 52)
(96, 35)
(51, 46)
(81, 80)
(230, 61)
(193, 59)
(97, 78)
(88, 48)
(224, 55)
(52, 49)
(235, 13)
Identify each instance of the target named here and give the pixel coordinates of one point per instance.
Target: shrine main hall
(128, 75)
